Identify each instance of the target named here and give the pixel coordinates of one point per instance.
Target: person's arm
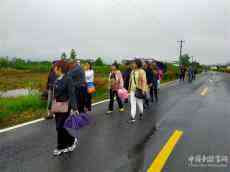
(143, 80)
(81, 77)
(121, 81)
(92, 76)
(130, 81)
(78, 77)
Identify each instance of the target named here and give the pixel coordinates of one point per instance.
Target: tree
(185, 60)
(73, 54)
(63, 56)
(99, 62)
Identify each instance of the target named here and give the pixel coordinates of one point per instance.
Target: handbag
(138, 92)
(123, 94)
(59, 107)
(91, 88)
(77, 121)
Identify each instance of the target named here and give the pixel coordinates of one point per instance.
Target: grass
(19, 118)
(21, 109)
(20, 104)
(14, 79)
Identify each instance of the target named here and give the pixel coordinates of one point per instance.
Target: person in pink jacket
(115, 83)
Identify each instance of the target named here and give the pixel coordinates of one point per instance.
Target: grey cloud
(116, 28)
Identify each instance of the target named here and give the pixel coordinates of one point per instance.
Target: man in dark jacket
(78, 76)
(151, 81)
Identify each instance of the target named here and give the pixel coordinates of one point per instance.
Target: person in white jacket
(89, 77)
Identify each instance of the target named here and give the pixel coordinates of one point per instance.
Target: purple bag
(77, 121)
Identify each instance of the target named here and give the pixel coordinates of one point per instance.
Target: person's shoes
(58, 152)
(121, 110)
(131, 120)
(141, 116)
(109, 112)
(71, 148)
(76, 141)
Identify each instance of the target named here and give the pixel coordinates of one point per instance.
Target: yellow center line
(160, 160)
(204, 92)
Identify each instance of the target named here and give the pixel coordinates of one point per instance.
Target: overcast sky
(112, 29)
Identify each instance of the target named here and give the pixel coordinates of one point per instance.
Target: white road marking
(21, 125)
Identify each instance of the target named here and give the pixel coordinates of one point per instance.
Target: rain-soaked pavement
(200, 110)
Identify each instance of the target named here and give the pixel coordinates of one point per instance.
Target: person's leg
(80, 100)
(156, 94)
(90, 102)
(140, 107)
(68, 139)
(133, 104)
(151, 93)
(111, 96)
(120, 104)
(158, 84)
(59, 129)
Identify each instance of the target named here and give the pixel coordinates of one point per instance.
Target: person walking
(126, 77)
(159, 76)
(137, 87)
(64, 102)
(155, 83)
(182, 73)
(149, 77)
(49, 86)
(190, 74)
(89, 75)
(115, 82)
(78, 76)
(151, 82)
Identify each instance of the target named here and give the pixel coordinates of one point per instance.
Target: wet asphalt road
(110, 144)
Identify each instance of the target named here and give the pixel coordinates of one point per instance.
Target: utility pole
(181, 47)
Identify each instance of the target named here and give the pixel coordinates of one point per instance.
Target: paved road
(200, 110)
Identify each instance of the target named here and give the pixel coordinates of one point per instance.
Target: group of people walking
(191, 73)
(70, 87)
(140, 80)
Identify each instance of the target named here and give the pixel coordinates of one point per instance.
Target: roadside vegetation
(20, 109)
(217, 68)
(18, 73)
